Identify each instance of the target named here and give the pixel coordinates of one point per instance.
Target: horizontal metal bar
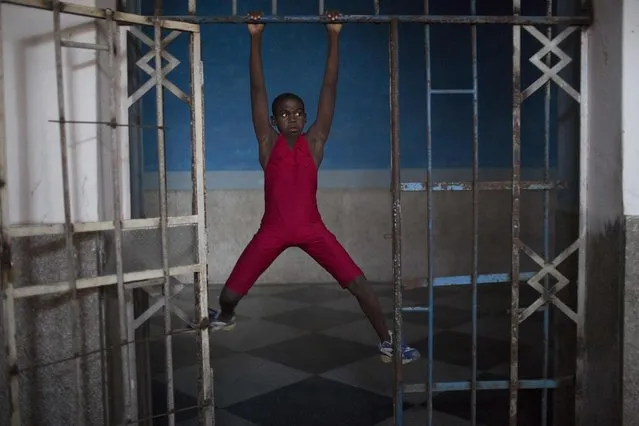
(452, 91)
(109, 123)
(18, 231)
(414, 309)
(94, 282)
(94, 12)
(482, 186)
(143, 284)
(482, 385)
(464, 280)
(80, 45)
(380, 19)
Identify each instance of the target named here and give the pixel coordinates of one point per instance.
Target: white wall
(34, 172)
(630, 115)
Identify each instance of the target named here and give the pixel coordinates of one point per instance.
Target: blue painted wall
(294, 61)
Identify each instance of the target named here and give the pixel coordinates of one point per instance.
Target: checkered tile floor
(305, 355)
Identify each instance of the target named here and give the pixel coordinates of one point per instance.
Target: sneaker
(408, 354)
(215, 324)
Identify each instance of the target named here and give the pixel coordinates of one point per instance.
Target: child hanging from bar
(290, 158)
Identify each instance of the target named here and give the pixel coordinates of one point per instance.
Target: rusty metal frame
(191, 24)
(125, 282)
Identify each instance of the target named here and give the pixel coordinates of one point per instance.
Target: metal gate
(554, 30)
(111, 238)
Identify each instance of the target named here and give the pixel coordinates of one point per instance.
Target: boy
(290, 159)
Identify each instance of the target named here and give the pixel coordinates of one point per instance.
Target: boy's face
(290, 117)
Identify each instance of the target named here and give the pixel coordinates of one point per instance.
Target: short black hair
(283, 97)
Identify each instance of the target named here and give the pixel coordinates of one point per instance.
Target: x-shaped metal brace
(548, 295)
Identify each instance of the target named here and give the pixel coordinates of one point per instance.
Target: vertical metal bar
(274, 7)
(376, 6)
(584, 154)
(546, 342)
(429, 214)
(8, 300)
(170, 402)
(128, 376)
(516, 178)
(475, 243)
(321, 7)
(234, 7)
(205, 388)
(393, 47)
(68, 226)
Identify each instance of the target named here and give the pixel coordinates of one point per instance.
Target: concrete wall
(50, 394)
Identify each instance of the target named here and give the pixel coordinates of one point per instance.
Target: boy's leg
(324, 248)
(258, 255)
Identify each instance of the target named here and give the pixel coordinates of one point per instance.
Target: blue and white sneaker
(408, 354)
(215, 324)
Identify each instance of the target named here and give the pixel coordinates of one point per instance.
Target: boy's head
(289, 115)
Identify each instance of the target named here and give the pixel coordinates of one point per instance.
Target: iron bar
(205, 375)
(584, 159)
(68, 227)
(159, 98)
(481, 186)
(18, 231)
(321, 7)
(515, 228)
(8, 299)
(452, 91)
(465, 385)
(458, 280)
(429, 219)
(80, 45)
(475, 240)
(95, 282)
(393, 47)
(385, 19)
(546, 207)
(98, 13)
(128, 368)
(159, 416)
(234, 7)
(375, 7)
(274, 7)
(107, 123)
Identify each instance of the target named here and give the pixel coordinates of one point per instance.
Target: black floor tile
(315, 353)
(316, 402)
(315, 318)
(316, 294)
